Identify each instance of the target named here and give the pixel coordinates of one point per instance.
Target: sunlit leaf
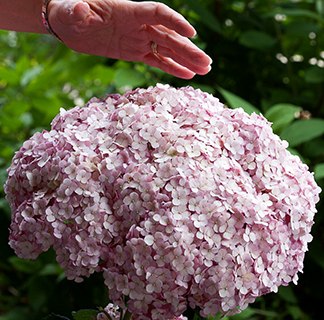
(30, 74)
(281, 115)
(295, 13)
(8, 75)
(236, 102)
(129, 77)
(302, 131)
(319, 171)
(320, 7)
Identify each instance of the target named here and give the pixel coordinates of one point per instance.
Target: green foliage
(236, 102)
(268, 58)
(85, 315)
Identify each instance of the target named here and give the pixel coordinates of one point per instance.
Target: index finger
(154, 13)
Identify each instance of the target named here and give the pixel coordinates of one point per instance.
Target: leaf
(129, 77)
(103, 73)
(281, 115)
(236, 102)
(301, 28)
(314, 75)
(295, 312)
(10, 76)
(30, 74)
(287, 294)
(85, 314)
(296, 153)
(319, 171)
(295, 13)
(246, 314)
(25, 266)
(320, 7)
(302, 131)
(207, 18)
(54, 316)
(49, 106)
(257, 40)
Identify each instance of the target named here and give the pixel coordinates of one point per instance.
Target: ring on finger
(154, 48)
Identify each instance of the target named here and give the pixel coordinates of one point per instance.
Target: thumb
(73, 11)
(80, 11)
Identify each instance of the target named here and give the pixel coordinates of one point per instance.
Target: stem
(106, 314)
(127, 315)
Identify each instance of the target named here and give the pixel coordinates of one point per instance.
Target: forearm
(22, 15)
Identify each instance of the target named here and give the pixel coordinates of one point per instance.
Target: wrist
(46, 20)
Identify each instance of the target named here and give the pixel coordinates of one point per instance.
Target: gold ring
(154, 48)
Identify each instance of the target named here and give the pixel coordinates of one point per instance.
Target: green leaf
(302, 131)
(15, 108)
(85, 314)
(129, 77)
(54, 316)
(281, 115)
(287, 294)
(236, 102)
(100, 72)
(314, 75)
(49, 106)
(296, 153)
(295, 312)
(319, 171)
(320, 7)
(10, 76)
(30, 74)
(244, 315)
(207, 18)
(25, 266)
(301, 28)
(295, 13)
(257, 40)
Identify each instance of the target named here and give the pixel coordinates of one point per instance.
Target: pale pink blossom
(168, 194)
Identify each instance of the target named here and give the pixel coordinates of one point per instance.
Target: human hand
(123, 29)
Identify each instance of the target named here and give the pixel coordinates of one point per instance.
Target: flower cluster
(176, 199)
(114, 314)
(112, 311)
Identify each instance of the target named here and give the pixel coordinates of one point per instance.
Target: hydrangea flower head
(176, 199)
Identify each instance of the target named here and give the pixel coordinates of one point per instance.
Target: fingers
(180, 49)
(168, 65)
(154, 13)
(169, 53)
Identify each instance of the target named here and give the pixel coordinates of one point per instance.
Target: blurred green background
(268, 56)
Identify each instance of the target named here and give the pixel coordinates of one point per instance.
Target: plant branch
(127, 315)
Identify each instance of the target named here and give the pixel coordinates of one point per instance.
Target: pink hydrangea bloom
(173, 197)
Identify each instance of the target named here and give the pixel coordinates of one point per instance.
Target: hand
(123, 29)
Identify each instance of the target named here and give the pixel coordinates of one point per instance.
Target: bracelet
(46, 22)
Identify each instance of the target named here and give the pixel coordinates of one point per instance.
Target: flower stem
(106, 314)
(127, 315)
